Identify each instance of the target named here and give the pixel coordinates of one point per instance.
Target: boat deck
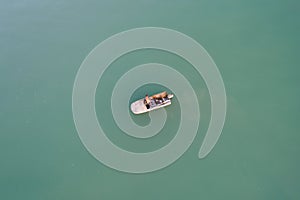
(158, 102)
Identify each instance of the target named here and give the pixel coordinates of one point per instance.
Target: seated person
(147, 101)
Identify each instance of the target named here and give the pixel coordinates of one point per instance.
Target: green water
(255, 44)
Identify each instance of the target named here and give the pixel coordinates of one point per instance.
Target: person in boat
(160, 98)
(147, 101)
(160, 95)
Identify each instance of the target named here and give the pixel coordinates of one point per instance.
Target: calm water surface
(256, 47)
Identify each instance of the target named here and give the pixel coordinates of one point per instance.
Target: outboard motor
(170, 96)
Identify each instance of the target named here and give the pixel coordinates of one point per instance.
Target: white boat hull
(139, 107)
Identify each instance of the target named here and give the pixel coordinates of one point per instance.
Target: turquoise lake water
(255, 45)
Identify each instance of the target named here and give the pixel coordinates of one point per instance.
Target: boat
(150, 103)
